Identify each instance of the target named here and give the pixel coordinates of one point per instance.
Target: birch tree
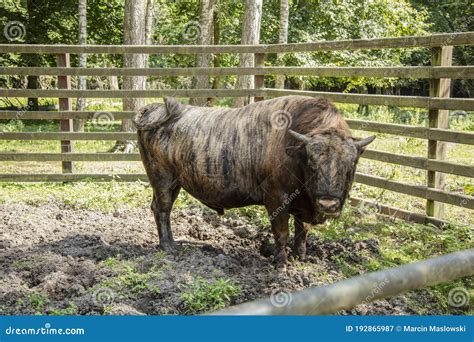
(206, 16)
(78, 124)
(133, 34)
(250, 36)
(282, 39)
(150, 7)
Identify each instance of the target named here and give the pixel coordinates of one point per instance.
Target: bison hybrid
(295, 155)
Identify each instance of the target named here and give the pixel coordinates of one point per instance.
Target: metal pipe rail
(366, 288)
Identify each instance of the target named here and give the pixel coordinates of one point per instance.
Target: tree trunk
(78, 124)
(206, 10)
(250, 36)
(33, 25)
(133, 34)
(33, 83)
(149, 11)
(216, 82)
(150, 4)
(282, 39)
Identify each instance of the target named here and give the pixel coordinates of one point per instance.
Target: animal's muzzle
(330, 207)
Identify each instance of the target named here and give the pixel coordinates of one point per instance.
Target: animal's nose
(329, 205)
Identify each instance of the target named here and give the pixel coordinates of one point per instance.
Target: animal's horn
(364, 142)
(300, 137)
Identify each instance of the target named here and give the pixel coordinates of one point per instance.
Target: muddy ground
(57, 258)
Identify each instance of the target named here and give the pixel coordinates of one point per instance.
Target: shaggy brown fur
(263, 153)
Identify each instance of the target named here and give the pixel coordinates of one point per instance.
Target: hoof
(299, 255)
(280, 263)
(299, 251)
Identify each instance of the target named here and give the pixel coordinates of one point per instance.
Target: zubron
(234, 157)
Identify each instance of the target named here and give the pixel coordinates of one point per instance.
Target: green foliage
(310, 20)
(12, 126)
(71, 310)
(35, 300)
(204, 295)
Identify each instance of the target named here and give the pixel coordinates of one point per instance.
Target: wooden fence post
(66, 125)
(437, 118)
(259, 80)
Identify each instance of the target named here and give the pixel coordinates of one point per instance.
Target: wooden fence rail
(455, 72)
(444, 39)
(438, 104)
(447, 135)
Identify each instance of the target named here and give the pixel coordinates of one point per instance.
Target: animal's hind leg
(161, 205)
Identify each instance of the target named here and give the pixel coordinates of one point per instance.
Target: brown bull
(294, 155)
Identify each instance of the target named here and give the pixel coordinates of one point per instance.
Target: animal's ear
(173, 107)
(361, 143)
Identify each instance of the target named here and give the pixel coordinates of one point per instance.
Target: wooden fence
(438, 103)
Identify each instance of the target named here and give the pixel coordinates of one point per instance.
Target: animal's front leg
(301, 232)
(279, 219)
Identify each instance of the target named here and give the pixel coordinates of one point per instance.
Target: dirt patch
(89, 262)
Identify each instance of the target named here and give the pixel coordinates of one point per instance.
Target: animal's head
(328, 160)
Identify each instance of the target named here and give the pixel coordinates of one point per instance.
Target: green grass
(35, 300)
(129, 277)
(82, 195)
(204, 295)
(70, 310)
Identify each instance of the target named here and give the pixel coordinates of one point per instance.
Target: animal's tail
(157, 114)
